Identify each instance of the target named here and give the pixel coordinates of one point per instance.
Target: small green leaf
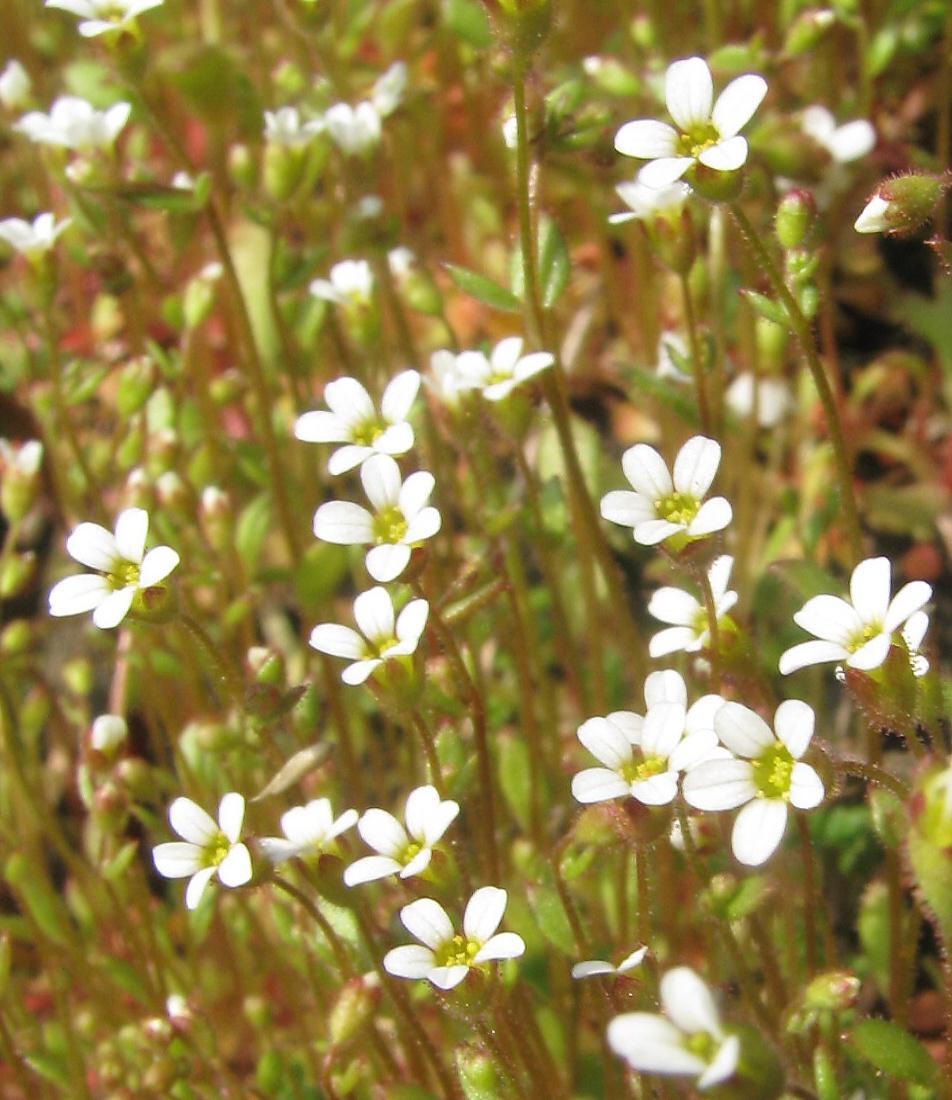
(51, 1067)
(893, 1050)
(482, 289)
(767, 307)
(177, 200)
(553, 265)
(252, 529)
(468, 21)
(514, 774)
(550, 917)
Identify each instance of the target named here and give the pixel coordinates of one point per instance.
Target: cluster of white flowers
(494, 376)
(33, 239)
(74, 123)
(355, 130)
(104, 16)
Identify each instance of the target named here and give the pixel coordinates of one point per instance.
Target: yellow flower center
(124, 573)
(772, 772)
(459, 951)
(698, 138)
(861, 637)
(703, 1044)
(216, 849)
(390, 525)
(677, 508)
(636, 771)
(410, 853)
(367, 432)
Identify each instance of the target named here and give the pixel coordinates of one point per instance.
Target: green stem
(429, 750)
(226, 675)
(811, 901)
(697, 366)
(871, 773)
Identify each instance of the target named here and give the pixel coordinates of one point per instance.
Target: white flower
(769, 775)
(307, 830)
(861, 630)
(387, 93)
(123, 569)
(660, 508)
(706, 134)
(101, 16)
(351, 282)
(591, 967)
(645, 203)
(873, 217)
(354, 130)
(33, 239)
(15, 85)
(284, 127)
(400, 519)
(844, 143)
(108, 733)
(643, 757)
(402, 851)
(687, 615)
(774, 399)
(446, 379)
(400, 261)
(687, 1040)
(206, 848)
(446, 957)
(354, 421)
(75, 123)
(23, 459)
(379, 640)
(505, 368)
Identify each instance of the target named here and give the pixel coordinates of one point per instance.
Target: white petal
(688, 1002)
(794, 723)
(235, 868)
(818, 123)
(505, 355)
(156, 565)
(382, 832)
(689, 92)
(736, 105)
(652, 1044)
(344, 523)
(662, 173)
(723, 1065)
(399, 396)
(369, 869)
(725, 156)
(191, 822)
(423, 525)
(591, 967)
(396, 440)
(700, 716)
(646, 471)
(446, 977)
(427, 920)
(915, 629)
(418, 864)
(320, 427)
(713, 515)
(869, 589)
(806, 787)
(629, 723)
(530, 365)
(415, 492)
(74, 595)
(719, 785)
(196, 887)
(410, 961)
(359, 671)
(411, 623)
(719, 574)
(504, 945)
(349, 400)
(483, 913)
(673, 640)
(114, 608)
(655, 531)
(177, 859)
(386, 563)
(852, 141)
(346, 458)
(873, 218)
(276, 849)
(657, 790)
(627, 508)
(829, 618)
(421, 803)
(132, 527)
(811, 653)
(632, 960)
(742, 730)
(665, 686)
(647, 139)
(380, 477)
(758, 830)
(694, 749)
(231, 814)
(598, 785)
(94, 546)
(663, 729)
(373, 611)
(338, 641)
(696, 465)
(605, 741)
(347, 820)
(871, 655)
(907, 601)
(673, 605)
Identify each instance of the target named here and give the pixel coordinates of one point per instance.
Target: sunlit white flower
(124, 569)
(858, 631)
(284, 127)
(645, 203)
(379, 640)
(591, 967)
(402, 851)
(767, 776)
(644, 757)
(687, 614)
(15, 85)
(34, 238)
(354, 421)
(354, 130)
(446, 379)
(401, 518)
(708, 132)
(687, 1040)
(662, 507)
(844, 143)
(100, 16)
(351, 282)
(108, 732)
(874, 217)
(497, 375)
(207, 848)
(774, 399)
(307, 829)
(445, 957)
(74, 123)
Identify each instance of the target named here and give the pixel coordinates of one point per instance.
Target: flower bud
(171, 492)
(354, 1008)
(794, 218)
(14, 86)
(834, 991)
(901, 205)
(200, 295)
(136, 777)
(107, 733)
(283, 170)
(771, 340)
(526, 25)
(215, 516)
(242, 170)
(17, 573)
(136, 382)
(17, 638)
(20, 473)
(806, 31)
(477, 1074)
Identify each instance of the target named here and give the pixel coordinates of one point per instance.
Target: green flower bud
(136, 777)
(242, 170)
(806, 31)
(526, 25)
(771, 341)
(17, 573)
(136, 383)
(200, 295)
(283, 169)
(20, 471)
(17, 638)
(902, 205)
(354, 1008)
(477, 1074)
(794, 218)
(834, 991)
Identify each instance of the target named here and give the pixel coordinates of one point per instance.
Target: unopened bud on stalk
(794, 218)
(19, 478)
(242, 170)
(200, 295)
(266, 666)
(283, 170)
(477, 1074)
(226, 387)
(526, 25)
(834, 991)
(138, 489)
(136, 777)
(354, 1008)
(771, 340)
(901, 205)
(15, 86)
(108, 732)
(215, 515)
(171, 492)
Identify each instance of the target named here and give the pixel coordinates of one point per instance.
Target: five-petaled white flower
(643, 757)
(687, 1040)
(34, 238)
(497, 375)
(844, 143)
(687, 615)
(708, 132)
(446, 379)
(766, 775)
(858, 631)
(100, 16)
(284, 127)
(646, 203)
(401, 518)
(447, 957)
(307, 829)
(207, 848)
(661, 508)
(124, 569)
(380, 639)
(591, 967)
(356, 130)
(75, 123)
(402, 851)
(354, 421)
(351, 282)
